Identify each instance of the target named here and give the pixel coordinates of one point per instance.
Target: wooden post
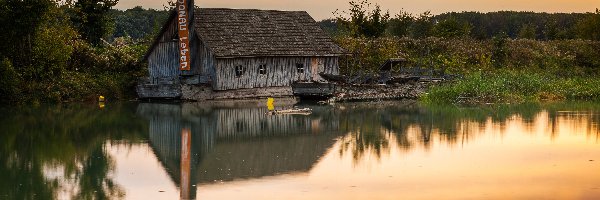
(186, 158)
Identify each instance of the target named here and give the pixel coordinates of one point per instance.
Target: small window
(262, 69)
(300, 68)
(240, 70)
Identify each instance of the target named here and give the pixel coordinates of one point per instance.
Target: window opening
(240, 71)
(300, 68)
(262, 69)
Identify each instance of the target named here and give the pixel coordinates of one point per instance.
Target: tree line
(364, 19)
(138, 23)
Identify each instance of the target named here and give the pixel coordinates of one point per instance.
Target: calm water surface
(384, 150)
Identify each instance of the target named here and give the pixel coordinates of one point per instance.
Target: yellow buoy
(270, 104)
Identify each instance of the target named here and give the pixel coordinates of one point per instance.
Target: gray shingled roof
(247, 33)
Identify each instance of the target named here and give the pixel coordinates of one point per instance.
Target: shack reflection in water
(227, 144)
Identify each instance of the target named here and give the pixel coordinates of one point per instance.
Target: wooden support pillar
(186, 164)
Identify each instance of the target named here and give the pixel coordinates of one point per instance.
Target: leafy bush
(44, 57)
(465, 55)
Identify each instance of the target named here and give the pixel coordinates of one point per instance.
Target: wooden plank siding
(163, 61)
(203, 61)
(280, 71)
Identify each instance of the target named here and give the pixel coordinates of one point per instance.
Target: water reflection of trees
(370, 127)
(59, 151)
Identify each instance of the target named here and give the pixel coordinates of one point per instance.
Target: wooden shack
(240, 53)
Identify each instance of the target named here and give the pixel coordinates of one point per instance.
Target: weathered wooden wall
(163, 61)
(281, 71)
(203, 61)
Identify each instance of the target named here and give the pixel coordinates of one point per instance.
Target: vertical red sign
(183, 22)
(186, 162)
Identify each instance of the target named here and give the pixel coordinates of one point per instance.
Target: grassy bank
(514, 87)
(500, 70)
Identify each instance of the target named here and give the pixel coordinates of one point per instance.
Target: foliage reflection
(369, 127)
(53, 152)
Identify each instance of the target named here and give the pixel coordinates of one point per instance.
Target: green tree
(423, 26)
(330, 26)
(37, 46)
(589, 27)
(21, 21)
(399, 26)
(528, 31)
(364, 22)
(91, 18)
(451, 27)
(551, 31)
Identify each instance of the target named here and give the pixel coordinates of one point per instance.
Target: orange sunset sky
(322, 9)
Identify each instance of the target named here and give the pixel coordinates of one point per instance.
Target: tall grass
(504, 86)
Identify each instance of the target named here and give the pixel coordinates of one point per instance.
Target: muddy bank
(380, 92)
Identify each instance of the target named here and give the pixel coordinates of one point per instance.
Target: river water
(232, 150)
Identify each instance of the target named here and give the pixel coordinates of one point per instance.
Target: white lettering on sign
(184, 42)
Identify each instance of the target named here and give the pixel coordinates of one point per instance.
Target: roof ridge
(249, 9)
